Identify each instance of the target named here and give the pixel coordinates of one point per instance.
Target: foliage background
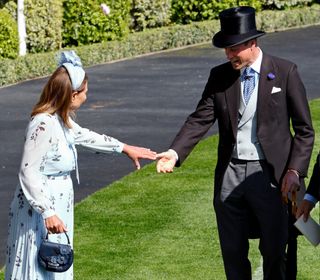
(150, 14)
(54, 24)
(283, 4)
(150, 40)
(8, 35)
(186, 11)
(84, 22)
(43, 23)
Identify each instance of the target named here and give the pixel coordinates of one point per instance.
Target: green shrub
(85, 23)
(280, 20)
(43, 24)
(10, 6)
(27, 67)
(9, 42)
(3, 3)
(150, 13)
(37, 65)
(186, 11)
(282, 4)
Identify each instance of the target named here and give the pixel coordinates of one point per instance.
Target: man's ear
(254, 42)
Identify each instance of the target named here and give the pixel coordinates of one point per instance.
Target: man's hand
(290, 184)
(166, 162)
(55, 225)
(304, 209)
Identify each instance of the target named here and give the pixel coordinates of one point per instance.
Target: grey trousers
(248, 189)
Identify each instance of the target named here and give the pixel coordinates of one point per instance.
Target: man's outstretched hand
(166, 161)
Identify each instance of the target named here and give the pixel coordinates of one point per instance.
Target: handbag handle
(64, 233)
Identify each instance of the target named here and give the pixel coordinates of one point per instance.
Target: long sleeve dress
(45, 189)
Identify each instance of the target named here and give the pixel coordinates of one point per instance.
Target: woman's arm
(107, 144)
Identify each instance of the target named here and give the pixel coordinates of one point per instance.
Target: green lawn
(162, 226)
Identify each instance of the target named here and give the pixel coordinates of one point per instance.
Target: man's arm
(303, 139)
(194, 128)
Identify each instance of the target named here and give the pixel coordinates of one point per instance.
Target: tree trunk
(21, 28)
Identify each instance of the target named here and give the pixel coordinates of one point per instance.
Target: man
(254, 97)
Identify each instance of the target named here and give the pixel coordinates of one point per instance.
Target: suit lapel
(233, 100)
(265, 86)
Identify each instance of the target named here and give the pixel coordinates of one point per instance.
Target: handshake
(166, 160)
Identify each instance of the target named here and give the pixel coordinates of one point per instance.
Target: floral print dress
(45, 189)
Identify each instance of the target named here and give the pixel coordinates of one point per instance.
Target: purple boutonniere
(271, 76)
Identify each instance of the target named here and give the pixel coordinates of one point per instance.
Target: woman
(43, 200)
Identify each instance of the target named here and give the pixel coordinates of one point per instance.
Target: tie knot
(248, 72)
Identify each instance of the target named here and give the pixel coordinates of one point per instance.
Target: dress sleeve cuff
(310, 198)
(119, 149)
(48, 213)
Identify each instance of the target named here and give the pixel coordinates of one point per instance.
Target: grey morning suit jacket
(220, 101)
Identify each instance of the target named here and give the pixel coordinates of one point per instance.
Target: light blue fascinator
(72, 62)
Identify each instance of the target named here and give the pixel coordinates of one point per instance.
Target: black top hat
(238, 25)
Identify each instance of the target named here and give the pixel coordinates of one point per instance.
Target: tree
(21, 28)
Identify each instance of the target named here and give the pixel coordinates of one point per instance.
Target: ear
(254, 42)
(73, 96)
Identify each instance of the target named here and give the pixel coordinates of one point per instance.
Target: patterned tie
(249, 83)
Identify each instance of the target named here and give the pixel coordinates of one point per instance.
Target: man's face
(240, 55)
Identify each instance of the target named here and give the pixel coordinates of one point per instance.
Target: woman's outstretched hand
(135, 153)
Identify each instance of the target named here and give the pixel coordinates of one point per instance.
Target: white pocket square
(275, 90)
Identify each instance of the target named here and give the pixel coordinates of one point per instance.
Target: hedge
(8, 35)
(84, 22)
(187, 11)
(43, 23)
(150, 14)
(281, 4)
(37, 65)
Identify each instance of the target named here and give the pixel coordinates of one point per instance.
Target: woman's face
(78, 98)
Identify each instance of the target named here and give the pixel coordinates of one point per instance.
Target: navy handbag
(55, 257)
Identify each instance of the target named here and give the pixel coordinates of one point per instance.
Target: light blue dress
(45, 189)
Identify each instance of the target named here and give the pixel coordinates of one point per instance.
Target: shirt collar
(256, 65)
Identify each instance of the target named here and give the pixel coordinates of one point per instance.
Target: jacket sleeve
(314, 184)
(303, 138)
(196, 125)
